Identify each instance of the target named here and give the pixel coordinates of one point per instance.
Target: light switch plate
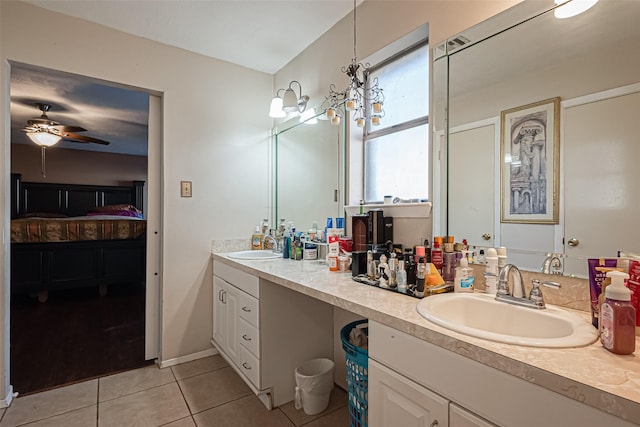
(185, 188)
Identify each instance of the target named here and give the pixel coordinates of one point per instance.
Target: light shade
(43, 139)
(289, 101)
(572, 7)
(275, 110)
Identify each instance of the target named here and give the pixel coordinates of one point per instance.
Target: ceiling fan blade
(74, 137)
(64, 129)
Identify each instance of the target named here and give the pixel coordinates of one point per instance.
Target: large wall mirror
(309, 171)
(486, 77)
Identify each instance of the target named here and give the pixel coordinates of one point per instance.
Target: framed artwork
(530, 161)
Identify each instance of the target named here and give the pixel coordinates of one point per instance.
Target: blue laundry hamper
(357, 375)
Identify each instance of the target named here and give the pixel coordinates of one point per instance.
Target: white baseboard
(6, 402)
(188, 358)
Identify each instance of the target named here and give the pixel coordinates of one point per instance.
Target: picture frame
(530, 163)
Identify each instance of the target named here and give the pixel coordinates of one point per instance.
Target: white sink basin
(481, 316)
(254, 255)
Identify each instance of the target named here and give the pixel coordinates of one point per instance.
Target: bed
(70, 236)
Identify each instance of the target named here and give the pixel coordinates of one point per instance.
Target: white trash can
(314, 382)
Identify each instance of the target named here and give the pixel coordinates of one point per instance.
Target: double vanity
(420, 369)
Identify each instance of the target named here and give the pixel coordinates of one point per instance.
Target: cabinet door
(395, 400)
(225, 322)
(219, 312)
(230, 300)
(460, 417)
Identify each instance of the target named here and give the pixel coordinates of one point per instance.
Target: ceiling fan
(46, 132)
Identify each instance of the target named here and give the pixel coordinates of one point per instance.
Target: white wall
(215, 133)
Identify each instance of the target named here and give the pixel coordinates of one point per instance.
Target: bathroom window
(396, 153)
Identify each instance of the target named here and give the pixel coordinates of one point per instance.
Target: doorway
(84, 332)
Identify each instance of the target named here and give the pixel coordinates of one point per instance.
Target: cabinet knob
(245, 366)
(573, 242)
(246, 310)
(485, 236)
(246, 338)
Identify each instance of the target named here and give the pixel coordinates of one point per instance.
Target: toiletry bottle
(401, 277)
(410, 267)
(393, 270)
(464, 277)
(436, 256)
(502, 256)
(491, 272)
(371, 266)
(298, 248)
(421, 271)
(427, 250)
(618, 316)
(383, 272)
(286, 245)
(256, 239)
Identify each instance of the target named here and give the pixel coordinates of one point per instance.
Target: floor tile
(85, 417)
(199, 366)
(129, 382)
(151, 407)
(339, 418)
(214, 388)
(337, 400)
(184, 422)
(246, 412)
(49, 403)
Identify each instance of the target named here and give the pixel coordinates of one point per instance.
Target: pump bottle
(618, 316)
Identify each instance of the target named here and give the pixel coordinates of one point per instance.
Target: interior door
(471, 185)
(601, 176)
(153, 212)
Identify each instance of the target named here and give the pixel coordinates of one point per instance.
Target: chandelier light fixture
(364, 98)
(289, 102)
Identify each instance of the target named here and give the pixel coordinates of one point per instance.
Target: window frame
(369, 134)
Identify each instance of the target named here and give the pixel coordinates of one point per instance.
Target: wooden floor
(75, 335)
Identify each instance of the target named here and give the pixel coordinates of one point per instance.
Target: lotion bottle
(464, 278)
(618, 316)
(491, 272)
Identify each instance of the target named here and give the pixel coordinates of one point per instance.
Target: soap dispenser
(618, 316)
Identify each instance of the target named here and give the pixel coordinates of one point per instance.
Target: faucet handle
(535, 295)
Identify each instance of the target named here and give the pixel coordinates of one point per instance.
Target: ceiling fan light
(275, 110)
(43, 139)
(289, 101)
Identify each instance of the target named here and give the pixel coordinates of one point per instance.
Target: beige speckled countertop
(590, 375)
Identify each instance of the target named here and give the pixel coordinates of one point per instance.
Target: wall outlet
(185, 188)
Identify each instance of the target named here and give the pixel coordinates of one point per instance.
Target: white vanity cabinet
(395, 400)
(264, 331)
(408, 377)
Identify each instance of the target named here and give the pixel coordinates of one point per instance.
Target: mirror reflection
(592, 63)
(308, 171)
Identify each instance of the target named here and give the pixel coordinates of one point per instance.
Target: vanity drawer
(248, 308)
(240, 279)
(249, 337)
(250, 366)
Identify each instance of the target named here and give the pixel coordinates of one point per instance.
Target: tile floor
(205, 392)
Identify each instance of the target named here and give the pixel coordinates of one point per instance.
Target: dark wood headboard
(69, 199)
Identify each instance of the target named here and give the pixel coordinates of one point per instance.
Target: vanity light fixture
(363, 97)
(569, 8)
(289, 102)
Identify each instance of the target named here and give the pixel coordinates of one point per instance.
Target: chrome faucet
(552, 264)
(518, 295)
